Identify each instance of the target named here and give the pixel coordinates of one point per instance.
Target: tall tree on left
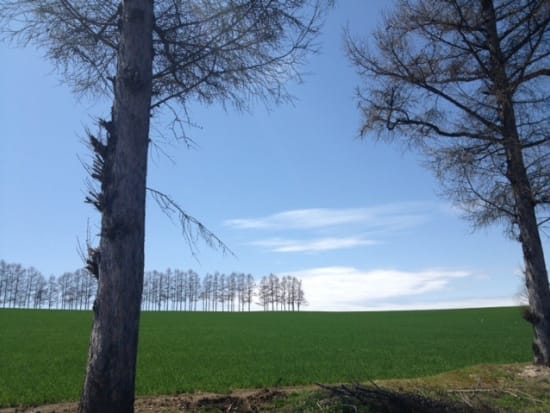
(148, 55)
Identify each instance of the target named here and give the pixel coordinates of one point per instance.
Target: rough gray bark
(536, 274)
(110, 376)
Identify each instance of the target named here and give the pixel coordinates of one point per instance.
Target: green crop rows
(43, 353)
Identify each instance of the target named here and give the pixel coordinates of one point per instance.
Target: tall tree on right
(466, 82)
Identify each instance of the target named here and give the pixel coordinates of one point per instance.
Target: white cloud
(384, 217)
(348, 289)
(301, 219)
(324, 229)
(314, 245)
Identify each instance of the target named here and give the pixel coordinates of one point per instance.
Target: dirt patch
(50, 408)
(245, 401)
(239, 401)
(484, 388)
(535, 372)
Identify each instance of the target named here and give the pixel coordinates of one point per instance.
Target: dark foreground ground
(484, 388)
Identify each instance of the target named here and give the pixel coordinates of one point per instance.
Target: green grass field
(43, 353)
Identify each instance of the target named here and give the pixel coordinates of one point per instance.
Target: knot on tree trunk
(132, 78)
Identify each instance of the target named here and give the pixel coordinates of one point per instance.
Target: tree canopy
(208, 50)
(429, 78)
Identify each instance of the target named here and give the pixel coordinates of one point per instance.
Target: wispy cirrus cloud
(314, 245)
(343, 225)
(389, 216)
(301, 219)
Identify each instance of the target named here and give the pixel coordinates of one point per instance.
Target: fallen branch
(389, 401)
(512, 392)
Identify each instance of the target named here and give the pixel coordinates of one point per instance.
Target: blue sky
(290, 190)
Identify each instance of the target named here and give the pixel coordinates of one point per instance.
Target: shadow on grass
(375, 399)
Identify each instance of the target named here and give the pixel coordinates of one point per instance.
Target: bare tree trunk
(110, 378)
(536, 274)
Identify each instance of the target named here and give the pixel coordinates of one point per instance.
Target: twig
(474, 390)
(191, 227)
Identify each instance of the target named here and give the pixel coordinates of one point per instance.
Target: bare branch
(192, 229)
(436, 75)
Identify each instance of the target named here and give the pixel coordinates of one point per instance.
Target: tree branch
(191, 228)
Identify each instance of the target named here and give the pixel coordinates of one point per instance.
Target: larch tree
(150, 55)
(53, 292)
(466, 82)
(250, 286)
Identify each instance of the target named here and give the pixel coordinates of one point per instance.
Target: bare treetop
(429, 76)
(80, 37)
(209, 50)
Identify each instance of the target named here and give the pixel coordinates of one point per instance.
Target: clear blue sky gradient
(291, 190)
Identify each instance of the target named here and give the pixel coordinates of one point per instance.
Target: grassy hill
(43, 353)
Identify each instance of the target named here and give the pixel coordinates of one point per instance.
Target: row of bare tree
(185, 291)
(281, 294)
(178, 290)
(171, 290)
(22, 287)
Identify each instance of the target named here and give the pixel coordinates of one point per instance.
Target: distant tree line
(178, 290)
(281, 294)
(22, 287)
(171, 290)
